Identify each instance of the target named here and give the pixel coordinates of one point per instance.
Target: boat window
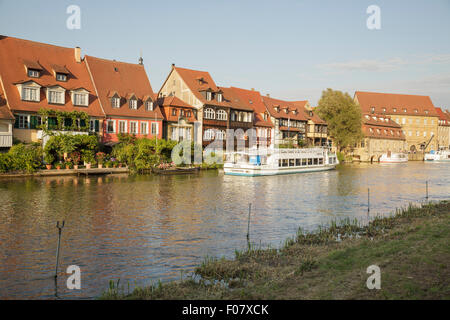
(297, 162)
(320, 160)
(291, 162)
(316, 161)
(303, 162)
(285, 162)
(310, 162)
(279, 162)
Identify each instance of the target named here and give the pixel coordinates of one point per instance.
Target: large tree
(343, 116)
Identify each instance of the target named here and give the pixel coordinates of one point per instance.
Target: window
(395, 109)
(424, 134)
(285, 162)
(221, 115)
(115, 102)
(174, 111)
(133, 127)
(384, 109)
(133, 104)
(61, 77)
(424, 121)
(80, 99)
(149, 105)
(426, 111)
(310, 162)
(30, 94)
(209, 113)
(297, 162)
(92, 125)
(155, 128)
(418, 133)
(144, 128)
(55, 97)
(316, 161)
(372, 110)
(208, 95)
(111, 126)
(219, 97)
(404, 110)
(122, 126)
(23, 122)
(220, 135)
(33, 73)
(415, 110)
(304, 162)
(182, 113)
(188, 113)
(208, 135)
(174, 133)
(403, 120)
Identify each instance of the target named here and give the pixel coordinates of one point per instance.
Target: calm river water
(146, 228)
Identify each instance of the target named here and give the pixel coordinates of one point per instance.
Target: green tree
(343, 117)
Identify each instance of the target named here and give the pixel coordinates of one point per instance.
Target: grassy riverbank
(411, 248)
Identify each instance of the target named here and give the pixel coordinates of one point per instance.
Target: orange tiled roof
(309, 114)
(125, 79)
(168, 103)
(234, 100)
(5, 113)
(272, 103)
(17, 54)
(253, 99)
(443, 117)
(395, 103)
(381, 127)
(199, 81)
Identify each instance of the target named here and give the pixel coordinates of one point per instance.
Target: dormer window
(56, 95)
(219, 97)
(33, 73)
(61, 77)
(286, 110)
(384, 109)
(80, 97)
(426, 111)
(404, 110)
(208, 95)
(115, 102)
(367, 117)
(370, 130)
(372, 109)
(133, 104)
(395, 109)
(277, 108)
(415, 110)
(174, 112)
(149, 105)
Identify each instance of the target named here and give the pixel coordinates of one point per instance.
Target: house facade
(6, 123)
(289, 121)
(214, 112)
(38, 76)
(414, 113)
(179, 119)
(381, 135)
(316, 128)
(261, 119)
(126, 98)
(443, 135)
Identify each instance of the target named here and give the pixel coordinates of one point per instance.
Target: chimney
(141, 61)
(173, 65)
(253, 89)
(78, 54)
(268, 95)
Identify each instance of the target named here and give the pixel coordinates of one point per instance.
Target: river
(147, 228)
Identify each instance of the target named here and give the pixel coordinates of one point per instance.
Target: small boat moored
(438, 156)
(393, 157)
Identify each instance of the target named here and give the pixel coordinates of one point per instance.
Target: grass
(411, 248)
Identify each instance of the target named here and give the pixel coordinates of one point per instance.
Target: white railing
(5, 140)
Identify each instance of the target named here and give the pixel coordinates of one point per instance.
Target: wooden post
(59, 244)
(248, 225)
(368, 201)
(426, 197)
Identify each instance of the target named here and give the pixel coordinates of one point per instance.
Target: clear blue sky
(290, 49)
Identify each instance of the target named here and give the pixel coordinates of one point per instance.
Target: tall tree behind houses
(343, 116)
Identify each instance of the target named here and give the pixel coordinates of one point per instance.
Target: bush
(59, 144)
(21, 157)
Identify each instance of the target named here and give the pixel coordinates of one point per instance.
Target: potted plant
(58, 165)
(108, 163)
(49, 158)
(113, 162)
(68, 164)
(76, 157)
(88, 158)
(100, 158)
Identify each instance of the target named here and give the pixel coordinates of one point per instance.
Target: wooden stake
(59, 244)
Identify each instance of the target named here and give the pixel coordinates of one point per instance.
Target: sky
(290, 49)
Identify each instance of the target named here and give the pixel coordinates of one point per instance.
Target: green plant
(87, 156)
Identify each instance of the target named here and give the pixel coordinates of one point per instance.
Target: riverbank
(411, 249)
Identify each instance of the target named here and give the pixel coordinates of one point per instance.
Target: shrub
(21, 157)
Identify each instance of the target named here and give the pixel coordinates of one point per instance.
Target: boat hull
(255, 172)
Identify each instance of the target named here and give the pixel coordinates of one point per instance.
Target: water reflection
(146, 228)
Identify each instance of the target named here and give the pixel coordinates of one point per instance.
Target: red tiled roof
(199, 81)
(15, 54)
(5, 113)
(309, 114)
(168, 103)
(253, 99)
(400, 102)
(443, 117)
(271, 103)
(234, 101)
(125, 79)
(381, 129)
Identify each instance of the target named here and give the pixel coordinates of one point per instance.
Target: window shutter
(97, 125)
(16, 123)
(33, 122)
(82, 123)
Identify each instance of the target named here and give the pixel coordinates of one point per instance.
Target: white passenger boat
(270, 161)
(392, 157)
(439, 156)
